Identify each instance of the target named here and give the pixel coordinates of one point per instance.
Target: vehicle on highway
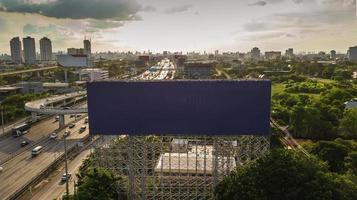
(78, 115)
(72, 125)
(57, 118)
(53, 135)
(21, 129)
(71, 116)
(86, 120)
(1, 169)
(67, 133)
(82, 129)
(24, 143)
(37, 150)
(66, 177)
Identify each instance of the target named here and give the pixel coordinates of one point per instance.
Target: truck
(21, 129)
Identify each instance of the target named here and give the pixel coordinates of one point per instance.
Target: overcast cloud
(183, 25)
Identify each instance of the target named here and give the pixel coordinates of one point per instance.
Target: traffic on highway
(32, 148)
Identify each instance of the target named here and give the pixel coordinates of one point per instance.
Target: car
(78, 115)
(82, 129)
(24, 143)
(1, 169)
(66, 177)
(71, 116)
(72, 125)
(86, 120)
(67, 133)
(53, 135)
(37, 150)
(57, 118)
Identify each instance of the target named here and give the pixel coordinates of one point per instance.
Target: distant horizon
(186, 25)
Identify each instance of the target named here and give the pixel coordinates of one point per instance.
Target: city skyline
(184, 26)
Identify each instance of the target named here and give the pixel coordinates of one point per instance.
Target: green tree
(284, 175)
(333, 153)
(348, 124)
(98, 184)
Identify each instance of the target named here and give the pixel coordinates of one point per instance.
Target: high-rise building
(16, 51)
(333, 55)
(87, 48)
(255, 53)
(352, 53)
(289, 53)
(29, 50)
(46, 49)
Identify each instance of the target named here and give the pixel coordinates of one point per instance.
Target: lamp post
(66, 166)
(2, 118)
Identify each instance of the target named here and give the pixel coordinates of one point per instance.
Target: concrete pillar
(61, 121)
(33, 116)
(65, 76)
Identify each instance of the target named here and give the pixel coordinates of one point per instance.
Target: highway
(18, 165)
(53, 189)
(44, 106)
(22, 168)
(10, 146)
(27, 71)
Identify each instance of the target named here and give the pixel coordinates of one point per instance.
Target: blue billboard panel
(179, 107)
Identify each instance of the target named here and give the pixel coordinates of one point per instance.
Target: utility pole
(66, 166)
(2, 118)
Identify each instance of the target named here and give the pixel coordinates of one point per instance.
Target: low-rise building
(93, 74)
(198, 70)
(272, 55)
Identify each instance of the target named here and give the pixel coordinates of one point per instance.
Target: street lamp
(66, 166)
(2, 118)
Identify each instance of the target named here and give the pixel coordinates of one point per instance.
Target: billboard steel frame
(176, 167)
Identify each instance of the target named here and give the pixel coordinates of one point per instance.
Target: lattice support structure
(175, 167)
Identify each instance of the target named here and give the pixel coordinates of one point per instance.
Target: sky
(183, 25)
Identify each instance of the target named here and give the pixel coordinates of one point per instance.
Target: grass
(278, 88)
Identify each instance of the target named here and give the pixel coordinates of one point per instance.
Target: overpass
(27, 71)
(55, 105)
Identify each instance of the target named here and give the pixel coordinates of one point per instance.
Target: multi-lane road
(19, 167)
(22, 168)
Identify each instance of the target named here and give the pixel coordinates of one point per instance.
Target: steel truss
(175, 167)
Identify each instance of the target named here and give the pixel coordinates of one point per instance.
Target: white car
(53, 135)
(67, 133)
(1, 169)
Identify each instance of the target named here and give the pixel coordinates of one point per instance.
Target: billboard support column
(65, 76)
(61, 121)
(33, 116)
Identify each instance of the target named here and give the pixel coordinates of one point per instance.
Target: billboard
(72, 60)
(179, 107)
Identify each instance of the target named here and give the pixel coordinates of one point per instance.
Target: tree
(348, 124)
(333, 153)
(98, 184)
(284, 175)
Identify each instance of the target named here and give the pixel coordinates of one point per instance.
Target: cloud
(149, 9)
(258, 3)
(265, 2)
(255, 26)
(76, 9)
(178, 9)
(34, 29)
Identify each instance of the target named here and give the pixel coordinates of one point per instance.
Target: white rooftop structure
(198, 160)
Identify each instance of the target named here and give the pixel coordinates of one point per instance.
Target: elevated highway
(27, 71)
(56, 105)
